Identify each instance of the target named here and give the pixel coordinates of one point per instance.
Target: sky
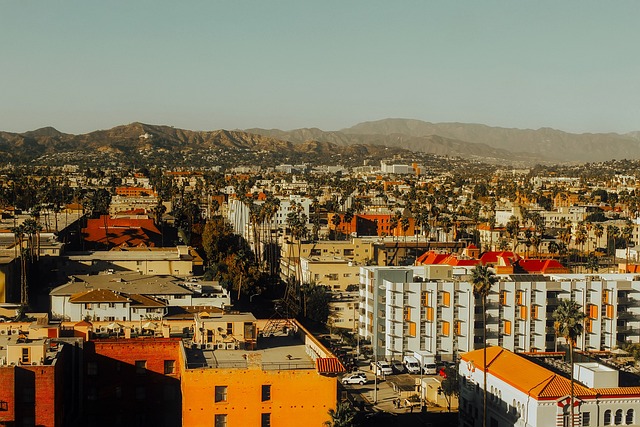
(85, 65)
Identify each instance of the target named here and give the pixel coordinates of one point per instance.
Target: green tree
(483, 278)
(450, 385)
(569, 324)
(343, 416)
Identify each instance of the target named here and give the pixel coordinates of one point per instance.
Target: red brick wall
(132, 397)
(7, 394)
(44, 406)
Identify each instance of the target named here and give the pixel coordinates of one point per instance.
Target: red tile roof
(329, 365)
(122, 231)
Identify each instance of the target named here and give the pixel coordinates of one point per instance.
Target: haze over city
(85, 65)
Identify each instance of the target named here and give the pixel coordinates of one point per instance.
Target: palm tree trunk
(484, 362)
(572, 381)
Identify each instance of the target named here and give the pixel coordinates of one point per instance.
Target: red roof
(542, 266)
(122, 231)
(434, 258)
(329, 365)
(494, 257)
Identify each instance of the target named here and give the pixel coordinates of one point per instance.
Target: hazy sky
(86, 65)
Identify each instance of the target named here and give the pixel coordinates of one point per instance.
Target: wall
(132, 396)
(298, 397)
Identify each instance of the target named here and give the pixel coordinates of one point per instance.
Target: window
(141, 367)
(26, 355)
(618, 418)
(446, 299)
(92, 369)
(92, 393)
(265, 420)
(220, 420)
(592, 310)
(407, 313)
(221, 393)
(503, 297)
(169, 367)
(607, 417)
(429, 314)
(523, 312)
(266, 392)
(118, 392)
(445, 328)
(141, 393)
(586, 419)
(629, 418)
(507, 327)
(534, 312)
(229, 328)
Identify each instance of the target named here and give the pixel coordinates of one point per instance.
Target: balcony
(627, 315)
(628, 330)
(628, 302)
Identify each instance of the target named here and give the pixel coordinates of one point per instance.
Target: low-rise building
(521, 392)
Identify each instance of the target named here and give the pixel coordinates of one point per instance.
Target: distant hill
(139, 137)
(432, 144)
(554, 144)
(381, 138)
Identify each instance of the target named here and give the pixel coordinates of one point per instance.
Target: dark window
(629, 418)
(92, 369)
(266, 392)
(586, 419)
(607, 417)
(618, 419)
(169, 367)
(221, 393)
(141, 393)
(229, 328)
(141, 366)
(220, 420)
(265, 420)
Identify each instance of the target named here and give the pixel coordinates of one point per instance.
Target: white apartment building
(430, 310)
(521, 392)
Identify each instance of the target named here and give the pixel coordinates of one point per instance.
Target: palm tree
(569, 323)
(483, 278)
(598, 231)
(342, 416)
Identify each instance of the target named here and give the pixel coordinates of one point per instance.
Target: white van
(429, 369)
(413, 367)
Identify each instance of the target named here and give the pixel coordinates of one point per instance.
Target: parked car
(398, 367)
(383, 368)
(429, 369)
(355, 378)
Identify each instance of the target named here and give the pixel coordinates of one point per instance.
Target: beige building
(357, 250)
(335, 272)
(177, 261)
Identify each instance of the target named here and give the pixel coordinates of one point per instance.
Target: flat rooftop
(273, 353)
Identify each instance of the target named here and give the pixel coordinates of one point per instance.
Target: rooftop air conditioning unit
(220, 346)
(231, 346)
(209, 346)
(3, 332)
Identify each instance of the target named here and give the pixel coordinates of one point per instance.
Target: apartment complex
(429, 309)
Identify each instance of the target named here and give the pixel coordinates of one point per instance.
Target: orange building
(135, 192)
(372, 225)
(287, 382)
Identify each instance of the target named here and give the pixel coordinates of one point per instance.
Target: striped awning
(329, 365)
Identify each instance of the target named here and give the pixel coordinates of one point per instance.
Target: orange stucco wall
(298, 397)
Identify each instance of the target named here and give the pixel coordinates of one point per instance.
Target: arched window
(618, 418)
(629, 419)
(607, 417)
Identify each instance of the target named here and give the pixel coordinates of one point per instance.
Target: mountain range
(382, 137)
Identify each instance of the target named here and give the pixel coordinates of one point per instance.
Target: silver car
(355, 378)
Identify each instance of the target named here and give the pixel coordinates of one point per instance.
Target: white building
(521, 392)
(430, 309)
(130, 296)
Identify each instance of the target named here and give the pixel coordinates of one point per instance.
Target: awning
(329, 365)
